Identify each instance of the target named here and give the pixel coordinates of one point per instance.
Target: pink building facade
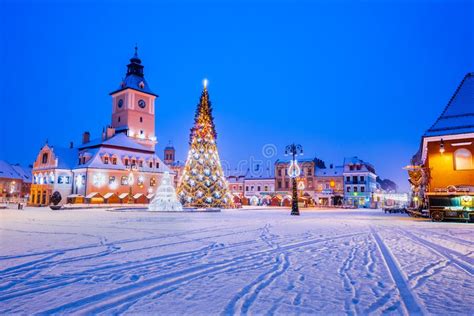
(120, 166)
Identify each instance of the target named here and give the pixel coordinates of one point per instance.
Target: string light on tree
(203, 183)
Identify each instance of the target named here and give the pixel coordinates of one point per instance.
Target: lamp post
(293, 172)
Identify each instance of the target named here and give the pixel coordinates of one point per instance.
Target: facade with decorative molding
(120, 166)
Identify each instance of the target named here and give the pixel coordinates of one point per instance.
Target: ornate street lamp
(293, 172)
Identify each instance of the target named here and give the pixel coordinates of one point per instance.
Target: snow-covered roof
(330, 172)
(356, 161)
(67, 157)
(134, 78)
(17, 172)
(97, 162)
(458, 115)
(260, 173)
(118, 140)
(93, 194)
(108, 195)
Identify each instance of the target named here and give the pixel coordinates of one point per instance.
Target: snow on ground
(235, 262)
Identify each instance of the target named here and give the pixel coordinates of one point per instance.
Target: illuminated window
(463, 159)
(106, 160)
(111, 179)
(124, 180)
(152, 182)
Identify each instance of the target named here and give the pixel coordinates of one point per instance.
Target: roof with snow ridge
(458, 115)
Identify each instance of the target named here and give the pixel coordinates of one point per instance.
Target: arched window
(463, 159)
(44, 159)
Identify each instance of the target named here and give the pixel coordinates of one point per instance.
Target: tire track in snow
(90, 273)
(409, 299)
(242, 302)
(109, 299)
(241, 268)
(462, 262)
(417, 279)
(119, 242)
(111, 248)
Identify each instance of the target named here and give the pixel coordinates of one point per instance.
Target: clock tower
(133, 105)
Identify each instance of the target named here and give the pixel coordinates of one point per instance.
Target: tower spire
(135, 67)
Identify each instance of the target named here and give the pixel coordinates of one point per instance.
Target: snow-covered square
(250, 261)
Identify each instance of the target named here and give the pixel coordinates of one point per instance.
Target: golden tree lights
(203, 183)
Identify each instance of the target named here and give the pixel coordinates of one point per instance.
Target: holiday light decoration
(165, 199)
(203, 183)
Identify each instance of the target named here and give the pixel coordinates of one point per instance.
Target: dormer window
(106, 160)
(151, 164)
(140, 164)
(114, 160)
(126, 162)
(157, 165)
(141, 85)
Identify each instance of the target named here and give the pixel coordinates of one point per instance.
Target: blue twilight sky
(362, 78)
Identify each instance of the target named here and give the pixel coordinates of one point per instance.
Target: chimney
(109, 132)
(86, 137)
(71, 145)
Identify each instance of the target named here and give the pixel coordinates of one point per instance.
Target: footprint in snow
(134, 278)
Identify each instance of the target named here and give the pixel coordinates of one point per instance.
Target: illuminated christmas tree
(203, 183)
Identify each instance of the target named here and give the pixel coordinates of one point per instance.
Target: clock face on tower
(141, 104)
(120, 103)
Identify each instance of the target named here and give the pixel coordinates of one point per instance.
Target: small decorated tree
(165, 199)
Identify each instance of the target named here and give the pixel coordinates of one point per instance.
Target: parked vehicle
(395, 210)
(451, 207)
